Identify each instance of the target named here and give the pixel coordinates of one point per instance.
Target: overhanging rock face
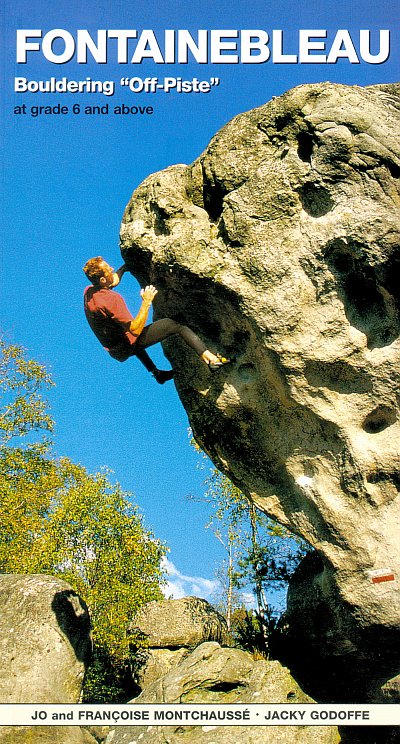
(281, 245)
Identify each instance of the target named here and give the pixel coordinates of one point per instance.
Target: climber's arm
(119, 274)
(136, 325)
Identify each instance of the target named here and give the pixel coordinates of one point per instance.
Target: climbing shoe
(222, 361)
(163, 375)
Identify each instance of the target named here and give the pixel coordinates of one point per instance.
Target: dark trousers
(160, 330)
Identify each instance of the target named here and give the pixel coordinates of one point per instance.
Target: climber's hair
(94, 270)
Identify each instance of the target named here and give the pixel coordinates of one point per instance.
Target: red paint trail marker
(379, 575)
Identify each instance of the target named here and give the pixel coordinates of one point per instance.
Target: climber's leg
(164, 328)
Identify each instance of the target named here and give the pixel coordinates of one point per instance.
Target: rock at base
(45, 640)
(45, 735)
(156, 663)
(211, 674)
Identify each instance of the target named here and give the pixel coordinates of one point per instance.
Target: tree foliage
(58, 519)
(261, 554)
(23, 410)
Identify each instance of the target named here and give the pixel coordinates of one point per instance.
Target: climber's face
(107, 279)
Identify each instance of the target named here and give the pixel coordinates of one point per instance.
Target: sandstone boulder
(211, 674)
(45, 735)
(280, 245)
(176, 623)
(154, 663)
(171, 627)
(98, 733)
(44, 640)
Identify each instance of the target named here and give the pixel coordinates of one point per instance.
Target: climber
(124, 336)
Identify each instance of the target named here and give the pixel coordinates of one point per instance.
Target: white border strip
(207, 716)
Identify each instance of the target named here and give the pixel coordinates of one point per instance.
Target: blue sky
(66, 181)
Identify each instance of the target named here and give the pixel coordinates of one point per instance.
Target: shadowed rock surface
(211, 674)
(280, 244)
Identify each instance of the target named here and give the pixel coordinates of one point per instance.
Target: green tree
(56, 518)
(23, 409)
(261, 554)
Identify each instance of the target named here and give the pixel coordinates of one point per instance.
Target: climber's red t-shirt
(105, 311)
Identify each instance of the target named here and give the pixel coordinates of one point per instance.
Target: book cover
(251, 153)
